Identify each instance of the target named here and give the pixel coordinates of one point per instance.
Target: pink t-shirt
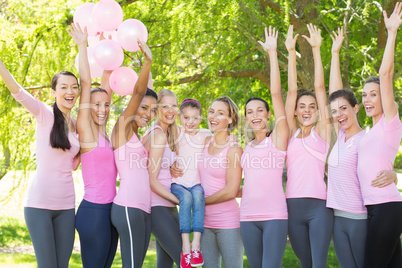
(263, 198)
(99, 173)
(377, 151)
(306, 166)
(52, 186)
(132, 164)
(224, 215)
(343, 184)
(190, 150)
(164, 176)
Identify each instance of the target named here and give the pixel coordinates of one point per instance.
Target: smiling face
(167, 109)
(257, 115)
(306, 110)
(343, 113)
(100, 103)
(371, 99)
(66, 92)
(145, 112)
(190, 118)
(218, 117)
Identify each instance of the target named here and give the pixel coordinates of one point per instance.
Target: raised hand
(392, 23)
(271, 38)
(79, 36)
(290, 40)
(145, 50)
(315, 36)
(337, 40)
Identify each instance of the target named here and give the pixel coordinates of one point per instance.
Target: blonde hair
(172, 130)
(233, 111)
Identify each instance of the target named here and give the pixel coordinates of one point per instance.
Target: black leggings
(98, 237)
(383, 245)
(166, 229)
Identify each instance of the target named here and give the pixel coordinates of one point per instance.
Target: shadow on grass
(13, 232)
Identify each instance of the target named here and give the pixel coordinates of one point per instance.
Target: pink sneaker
(196, 258)
(185, 260)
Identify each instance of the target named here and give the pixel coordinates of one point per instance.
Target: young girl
(98, 237)
(50, 205)
(263, 211)
(310, 221)
(187, 188)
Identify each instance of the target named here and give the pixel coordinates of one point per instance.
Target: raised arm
(119, 135)
(292, 81)
(387, 65)
(335, 79)
(281, 131)
(233, 178)
(323, 126)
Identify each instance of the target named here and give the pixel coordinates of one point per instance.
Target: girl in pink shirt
(263, 211)
(310, 221)
(131, 208)
(377, 151)
(220, 173)
(50, 205)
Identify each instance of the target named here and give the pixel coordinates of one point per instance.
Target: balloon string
(139, 58)
(134, 60)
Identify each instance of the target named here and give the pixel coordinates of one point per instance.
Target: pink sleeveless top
(132, 164)
(212, 168)
(343, 184)
(164, 176)
(99, 173)
(306, 166)
(263, 197)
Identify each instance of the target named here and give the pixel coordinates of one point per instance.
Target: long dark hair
(59, 133)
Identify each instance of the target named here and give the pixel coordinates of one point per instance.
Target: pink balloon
(83, 16)
(93, 40)
(96, 70)
(108, 54)
(122, 81)
(113, 34)
(108, 15)
(129, 31)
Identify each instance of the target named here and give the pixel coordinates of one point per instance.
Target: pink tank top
(224, 215)
(164, 176)
(132, 164)
(377, 152)
(263, 197)
(343, 184)
(306, 166)
(99, 173)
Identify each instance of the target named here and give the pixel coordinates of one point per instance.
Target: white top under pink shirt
(99, 172)
(190, 150)
(377, 151)
(52, 186)
(263, 197)
(164, 176)
(343, 183)
(305, 163)
(132, 165)
(224, 215)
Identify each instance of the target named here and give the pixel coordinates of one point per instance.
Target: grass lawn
(13, 233)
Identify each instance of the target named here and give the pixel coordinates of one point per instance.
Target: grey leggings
(350, 241)
(166, 229)
(134, 228)
(225, 243)
(264, 242)
(310, 230)
(52, 233)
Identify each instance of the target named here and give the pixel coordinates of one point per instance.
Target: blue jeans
(192, 197)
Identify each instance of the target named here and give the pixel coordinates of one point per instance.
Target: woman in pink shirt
(377, 151)
(263, 211)
(221, 173)
(310, 221)
(49, 208)
(131, 207)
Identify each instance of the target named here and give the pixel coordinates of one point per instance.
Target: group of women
(361, 208)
